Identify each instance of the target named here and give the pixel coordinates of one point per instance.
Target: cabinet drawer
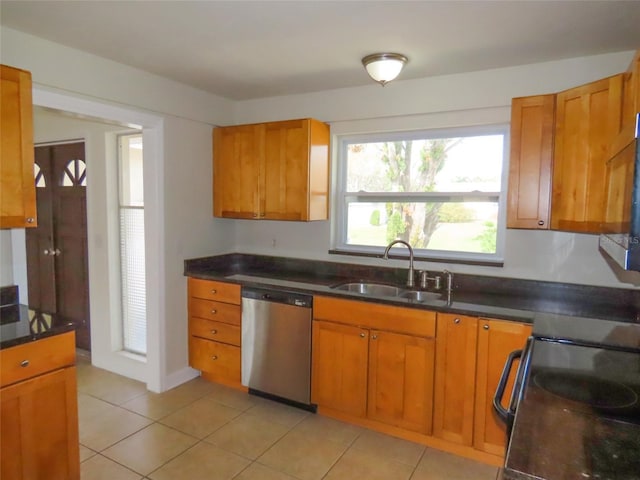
(220, 360)
(35, 358)
(377, 316)
(211, 290)
(220, 312)
(212, 330)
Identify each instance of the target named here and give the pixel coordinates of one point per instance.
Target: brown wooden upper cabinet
(17, 185)
(587, 121)
(631, 93)
(532, 122)
(272, 171)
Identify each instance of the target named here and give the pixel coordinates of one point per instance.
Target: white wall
(187, 228)
(456, 100)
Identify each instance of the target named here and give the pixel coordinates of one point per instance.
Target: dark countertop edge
(503, 298)
(324, 289)
(57, 330)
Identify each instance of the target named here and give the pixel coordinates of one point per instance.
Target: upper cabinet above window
(272, 171)
(17, 184)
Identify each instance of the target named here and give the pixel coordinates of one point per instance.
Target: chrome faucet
(449, 277)
(410, 279)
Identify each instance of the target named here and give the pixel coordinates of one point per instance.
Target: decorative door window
(75, 174)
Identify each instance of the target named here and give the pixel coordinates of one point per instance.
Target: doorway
(57, 255)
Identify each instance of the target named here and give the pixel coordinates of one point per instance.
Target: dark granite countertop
(19, 324)
(495, 297)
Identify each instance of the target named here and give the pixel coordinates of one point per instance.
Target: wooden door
(39, 428)
(41, 280)
(532, 120)
(286, 171)
(17, 191)
(455, 378)
(237, 162)
(339, 367)
(58, 248)
(496, 340)
(587, 120)
(401, 370)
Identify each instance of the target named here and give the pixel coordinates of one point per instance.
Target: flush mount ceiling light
(384, 67)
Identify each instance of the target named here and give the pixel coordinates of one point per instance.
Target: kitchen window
(439, 190)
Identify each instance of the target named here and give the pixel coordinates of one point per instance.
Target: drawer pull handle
(215, 357)
(214, 291)
(24, 363)
(214, 311)
(213, 332)
(457, 320)
(486, 327)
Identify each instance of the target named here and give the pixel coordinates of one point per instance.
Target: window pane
(132, 258)
(454, 226)
(461, 164)
(131, 186)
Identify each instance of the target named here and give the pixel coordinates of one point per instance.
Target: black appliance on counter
(621, 240)
(575, 407)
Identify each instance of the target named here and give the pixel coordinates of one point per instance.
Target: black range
(577, 414)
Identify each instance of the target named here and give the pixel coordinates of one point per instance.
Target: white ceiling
(252, 49)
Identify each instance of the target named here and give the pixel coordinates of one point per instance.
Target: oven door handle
(503, 413)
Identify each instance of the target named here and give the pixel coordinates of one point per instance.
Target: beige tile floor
(202, 431)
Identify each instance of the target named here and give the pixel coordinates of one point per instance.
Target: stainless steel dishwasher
(276, 345)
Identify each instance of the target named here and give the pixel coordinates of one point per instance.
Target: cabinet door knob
(374, 336)
(363, 334)
(214, 291)
(30, 219)
(213, 332)
(24, 363)
(255, 215)
(214, 311)
(457, 320)
(485, 326)
(541, 222)
(214, 357)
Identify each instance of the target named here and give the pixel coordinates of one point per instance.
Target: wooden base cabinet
(470, 355)
(17, 184)
(214, 330)
(455, 378)
(401, 380)
(365, 366)
(496, 340)
(39, 413)
(339, 367)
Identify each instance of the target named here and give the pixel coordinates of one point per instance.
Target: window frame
(340, 223)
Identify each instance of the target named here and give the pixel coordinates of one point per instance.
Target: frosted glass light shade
(384, 67)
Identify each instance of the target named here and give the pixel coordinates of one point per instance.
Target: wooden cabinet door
(39, 428)
(631, 94)
(532, 120)
(286, 171)
(237, 162)
(401, 380)
(17, 185)
(496, 340)
(339, 367)
(587, 120)
(455, 378)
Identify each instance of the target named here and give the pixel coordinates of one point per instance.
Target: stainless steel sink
(421, 296)
(373, 289)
